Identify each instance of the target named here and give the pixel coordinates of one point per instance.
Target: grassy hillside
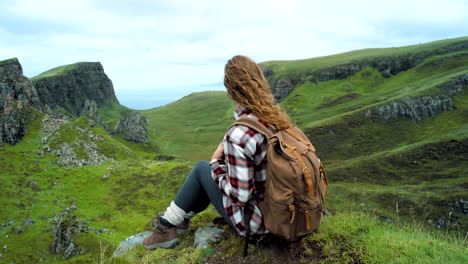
(397, 189)
(118, 198)
(299, 67)
(193, 126)
(61, 70)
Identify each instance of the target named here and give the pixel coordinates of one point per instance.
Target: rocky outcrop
(132, 127)
(90, 110)
(282, 88)
(413, 107)
(387, 66)
(16, 94)
(70, 86)
(83, 150)
(456, 86)
(65, 227)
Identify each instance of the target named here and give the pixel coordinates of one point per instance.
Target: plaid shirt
(241, 174)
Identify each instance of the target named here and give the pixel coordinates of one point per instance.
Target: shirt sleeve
(236, 178)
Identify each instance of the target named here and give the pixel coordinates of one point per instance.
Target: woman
(234, 179)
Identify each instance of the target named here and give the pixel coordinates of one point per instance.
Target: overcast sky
(158, 51)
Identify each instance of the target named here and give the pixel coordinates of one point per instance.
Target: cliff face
(70, 86)
(412, 107)
(16, 93)
(132, 128)
(388, 66)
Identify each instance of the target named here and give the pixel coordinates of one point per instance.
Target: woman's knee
(202, 167)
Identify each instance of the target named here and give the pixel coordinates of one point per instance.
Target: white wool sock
(174, 214)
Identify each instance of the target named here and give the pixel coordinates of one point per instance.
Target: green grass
(61, 70)
(388, 179)
(8, 60)
(192, 127)
(300, 67)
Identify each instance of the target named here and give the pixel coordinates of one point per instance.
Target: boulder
(206, 235)
(132, 127)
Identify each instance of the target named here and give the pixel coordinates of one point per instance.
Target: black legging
(199, 190)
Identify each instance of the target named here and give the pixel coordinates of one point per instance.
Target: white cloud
(159, 44)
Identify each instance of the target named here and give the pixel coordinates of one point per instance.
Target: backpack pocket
(308, 219)
(279, 217)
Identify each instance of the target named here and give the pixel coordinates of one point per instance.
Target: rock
(413, 107)
(387, 66)
(130, 242)
(63, 231)
(19, 230)
(164, 157)
(90, 110)
(266, 71)
(387, 73)
(339, 72)
(70, 251)
(132, 127)
(34, 186)
(69, 87)
(9, 222)
(17, 95)
(456, 86)
(28, 221)
(206, 235)
(283, 87)
(459, 206)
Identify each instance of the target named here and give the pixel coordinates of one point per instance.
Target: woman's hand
(219, 152)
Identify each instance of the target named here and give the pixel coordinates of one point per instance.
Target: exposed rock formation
(282, 88)
(16, 94)
(387, 66)
(412, 107)
(64, 229)
(70, 86)
(90, 110)
(82, 151)
(132, 127)
(456, 86)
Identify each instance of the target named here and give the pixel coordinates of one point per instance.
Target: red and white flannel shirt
(241, 174)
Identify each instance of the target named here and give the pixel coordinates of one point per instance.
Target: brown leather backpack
(296, 183)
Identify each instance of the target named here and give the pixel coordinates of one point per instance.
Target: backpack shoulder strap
(254, 124)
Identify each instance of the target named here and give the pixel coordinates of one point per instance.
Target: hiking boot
(181, 228)
(162, 237)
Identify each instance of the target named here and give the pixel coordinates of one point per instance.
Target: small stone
(206, 235)
(8, 223)
(105, 176)
(28, 221)
(19, 230)
(131, 242)
(34, 186)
